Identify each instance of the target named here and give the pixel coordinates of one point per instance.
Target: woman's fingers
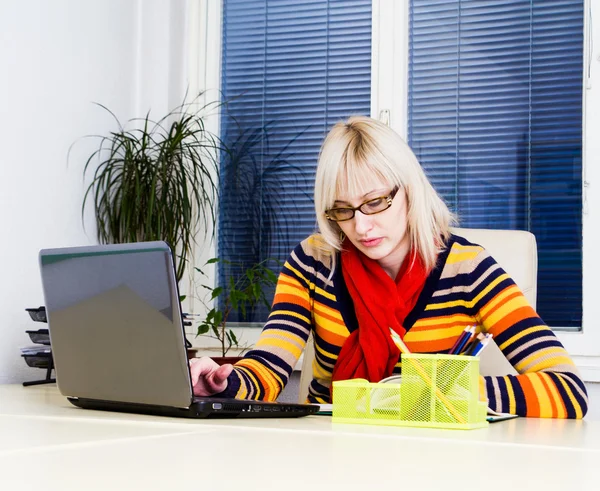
(208, 377)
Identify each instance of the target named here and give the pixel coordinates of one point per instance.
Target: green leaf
(182, 297)
(216, 292)
(203, 329)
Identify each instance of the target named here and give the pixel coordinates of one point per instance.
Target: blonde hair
(360, 149)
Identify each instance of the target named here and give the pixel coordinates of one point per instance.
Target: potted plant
(156, 180)
(253, 201)
(241, 293)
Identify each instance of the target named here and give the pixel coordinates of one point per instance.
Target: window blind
(495, 117)
(290, 70)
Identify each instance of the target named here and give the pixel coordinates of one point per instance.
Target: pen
(466, 338)
(458, 341)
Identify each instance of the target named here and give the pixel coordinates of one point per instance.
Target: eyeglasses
(370, 207)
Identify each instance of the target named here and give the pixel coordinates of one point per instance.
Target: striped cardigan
(467, 287)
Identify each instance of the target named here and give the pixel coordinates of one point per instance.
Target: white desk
(46, 442)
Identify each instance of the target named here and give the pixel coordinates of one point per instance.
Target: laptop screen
(115, 323)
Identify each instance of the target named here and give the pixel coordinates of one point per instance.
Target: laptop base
(204, 408)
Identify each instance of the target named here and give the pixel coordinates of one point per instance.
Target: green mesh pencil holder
(440, 391)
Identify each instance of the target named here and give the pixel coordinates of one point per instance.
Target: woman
(385, 258)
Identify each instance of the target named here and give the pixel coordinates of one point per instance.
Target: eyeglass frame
(388, 198)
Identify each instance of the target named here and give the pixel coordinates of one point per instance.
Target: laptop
(118, 339)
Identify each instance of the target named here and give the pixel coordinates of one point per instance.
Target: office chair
(516, 252)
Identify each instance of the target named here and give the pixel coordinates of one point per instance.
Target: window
(290, 70)
(388, 38)
(495, 117)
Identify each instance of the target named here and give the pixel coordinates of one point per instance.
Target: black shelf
(43, 358)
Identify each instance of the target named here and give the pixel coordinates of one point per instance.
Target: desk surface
(46, 440)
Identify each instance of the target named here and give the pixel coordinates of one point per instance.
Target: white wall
(56, 58)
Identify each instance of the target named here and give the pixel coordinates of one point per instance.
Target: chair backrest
(516, 252)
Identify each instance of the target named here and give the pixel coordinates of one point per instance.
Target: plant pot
(220, 360)
(223, 360)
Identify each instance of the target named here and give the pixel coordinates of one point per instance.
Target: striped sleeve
(265, 370)
(548, 384)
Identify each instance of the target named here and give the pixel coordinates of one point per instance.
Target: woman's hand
(208, 377)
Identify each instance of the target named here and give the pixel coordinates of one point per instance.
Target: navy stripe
(520, 401)
(258, 355)
(280, 316)
(555, 343)
(233, 385)
(345, 304)
(578, 382)
(489, 296)
(571, 412)
(325, 346)
(430, 287)
(325, 360)
(457, 309)
(297, 331)
(491, 395)
(518, 327)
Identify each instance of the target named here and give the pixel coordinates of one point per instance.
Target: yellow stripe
(459, 256)
(290, 290)
(552, 353)
(453, 303)
(542, 395)
(316, 240)
(493, 284)
(270, 341)
(243, 390)
(339, 329)
(506, 309)
(572, 398)
(552, 362)
(251, 375)
(323, 293)
(522, 333)
(413, 336)
(320, 371)
(291, 314)
(434, 321)
(512, 403)
(555, 395)
(268, 375)
(280, 333)
(325, 353)
(483, 390)
(296, 272)
(325, 310)
(500, 299)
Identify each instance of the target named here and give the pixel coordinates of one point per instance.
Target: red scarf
(380, 303)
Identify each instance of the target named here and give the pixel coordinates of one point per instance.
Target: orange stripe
(556, 396)
(444, 321)
(331, 337)
(511, 319)
(291, 282)
(550, 395)
(503, 302)
(531, 400)
(326, 316)
(290, 298)
(433, 346)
